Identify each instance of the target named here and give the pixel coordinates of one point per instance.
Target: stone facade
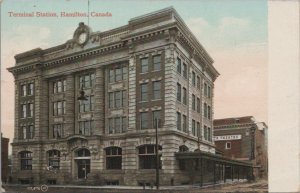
(129, 76)
(243, 138)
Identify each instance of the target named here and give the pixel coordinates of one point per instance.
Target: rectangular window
(24, 111)
(59, 108)
(156, 115)
(124, 98)
(205, 132)
(179, 92)
(184, 70)
(23, 90)
(125, 72)
(198, 82)
(111, 125)
(30, 89)
(144, 92)
(228, 145)
(24, 132)
(87, 105)
(205, 89)
(208, 112)
(144, 65)
(193, 78)
(124, 124)
(118, 101)
(144, 120)
(117, 126)
(157, 62)
(179, 65)
(57, 131)
(208, 91)
(156, 90)
(205, 110)
(198, 105)
(179, 121)
(193, 102)
(184, 98)
(87, 81)
(64, 85)
(209, 133)
(194, 127)
(184, 124)
(118, 74)
(30, 107)
(86, 127)
(111, 75)
(198, 129)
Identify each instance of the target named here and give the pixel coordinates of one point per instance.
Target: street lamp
(157, 155)
(82, 96)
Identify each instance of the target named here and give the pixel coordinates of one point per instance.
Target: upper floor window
(194, 127)
(198, 105)
(208, 112)
(193, 78)
(184, 98)
(144, 92)
(156, 90)
(157, 62)
(228, 145)
(193, 102)
(23, 111)
(209, 134)
(144, 65)
(117, 124)
(59, 108)
(87, 81)
(179, 92)
(184, 124)
(144, 119)
(184, 70)
(23, 90)
(57, 131)
(198, 129)
(198, 82)
(59, 86)
(207, 90)
(205, 132)
(179, 121)
(118, 73)
(27, 132)
(156, 116)
(30, 107)
(113, 158)
(54, 159)
(205, 110)
(87, 105)
(179, 65)
(26, 160)
(30, 88)
(117, 99)
(86, 127)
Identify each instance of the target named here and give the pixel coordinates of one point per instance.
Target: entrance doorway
(83, 162)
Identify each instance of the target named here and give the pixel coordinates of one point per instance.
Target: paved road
(260, 187)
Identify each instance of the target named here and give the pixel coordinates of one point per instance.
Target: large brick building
(243, 138)
(153, 67)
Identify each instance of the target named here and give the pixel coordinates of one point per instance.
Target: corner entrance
(83, 163)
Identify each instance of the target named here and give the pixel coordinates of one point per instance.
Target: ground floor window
(147, 157)
(51, 182)
(113, 158)
(26, 160)
(54, 159)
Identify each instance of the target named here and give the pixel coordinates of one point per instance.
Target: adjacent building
(243, 138)
(4, 159)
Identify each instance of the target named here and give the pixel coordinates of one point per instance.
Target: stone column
(70, 97)
(99, 106)
(132, 94)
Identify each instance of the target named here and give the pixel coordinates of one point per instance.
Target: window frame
(155, 68)
(26, 160)
(144, 93)
(156, 90)
(144, 67)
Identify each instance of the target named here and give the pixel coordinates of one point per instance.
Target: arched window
(183, 148)
(54, 159)
(113, 158)
(26, 160)
(83, 153)
(147, 157)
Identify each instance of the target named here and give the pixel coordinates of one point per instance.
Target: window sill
(153, 100)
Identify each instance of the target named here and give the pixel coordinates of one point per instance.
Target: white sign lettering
(227, 137)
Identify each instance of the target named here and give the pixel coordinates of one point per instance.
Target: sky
(234, 33)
